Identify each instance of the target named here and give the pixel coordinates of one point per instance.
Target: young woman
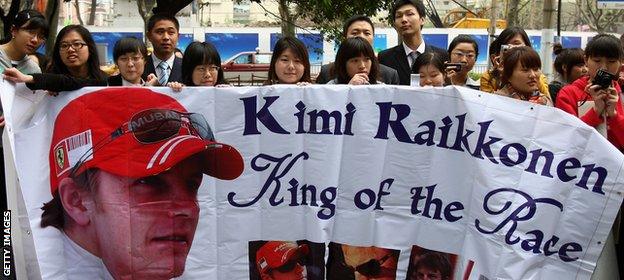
(201, 66)
(463, 50)
(130, 55)
(520, 74)
(509, 38)
(28, 32)
(430, 67)
(74, 64)
(356, 63)
(569, 66)
(290, 63)
(587, 99)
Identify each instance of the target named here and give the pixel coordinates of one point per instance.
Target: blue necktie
(164, 73)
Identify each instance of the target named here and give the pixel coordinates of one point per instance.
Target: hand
(52, 93)
(301, 84)
(14, 75)
(359, 79)
(223, 85)
(2, 121)
(175, 86)
(151, 81)
(612, 99)
(450, 74)
(599, 95)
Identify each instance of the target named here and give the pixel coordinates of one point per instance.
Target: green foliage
(330, 15)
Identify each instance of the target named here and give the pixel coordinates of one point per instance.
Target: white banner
(344, 182)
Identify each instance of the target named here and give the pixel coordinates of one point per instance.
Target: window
(243, 59)
(263, 58)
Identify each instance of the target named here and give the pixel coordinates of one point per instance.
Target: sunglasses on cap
(290, 265)
(152, 126)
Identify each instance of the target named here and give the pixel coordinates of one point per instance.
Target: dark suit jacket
(176, 70)
(397, 59)
(389, 76)
(114, 80)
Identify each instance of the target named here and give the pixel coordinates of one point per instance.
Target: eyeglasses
(74, 45)
(460, 55)
(152, 126)
(32, 33)
(290, 265)
(126, 59)
(204, 69)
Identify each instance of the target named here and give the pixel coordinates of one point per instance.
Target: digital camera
(603, 79)
(453, 66)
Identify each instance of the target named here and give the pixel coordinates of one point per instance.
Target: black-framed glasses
(153, 126)
(64, 46)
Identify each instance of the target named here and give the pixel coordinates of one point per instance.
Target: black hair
(350, 48)
(433, 58)
(420, 8)
(151, 22)
(298, 49)
(93, 63)
(129, 45)
(566, 59)
(42, 60)
(200, 53)
(351, 20)
(604, 45)
(463, 39)
(31, 20)
(511, 32)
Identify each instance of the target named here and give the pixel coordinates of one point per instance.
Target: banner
(310, 182)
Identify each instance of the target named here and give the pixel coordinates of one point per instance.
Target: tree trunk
(52, 13)
(288, 19)
(92, 14)
(78, 12)
(512, 13)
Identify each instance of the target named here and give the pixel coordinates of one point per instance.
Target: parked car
(247, 67)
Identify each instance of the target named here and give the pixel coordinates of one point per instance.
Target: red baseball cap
(274, 254)
(90, 130)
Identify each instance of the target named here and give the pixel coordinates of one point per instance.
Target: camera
(453, 66)
(603, 79)
(504, 48)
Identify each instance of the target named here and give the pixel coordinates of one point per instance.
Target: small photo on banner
(353, 262)
(286, 260)
(429, 264)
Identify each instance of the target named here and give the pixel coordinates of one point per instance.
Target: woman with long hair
(75, 64)
(356, 63)
(290, 63)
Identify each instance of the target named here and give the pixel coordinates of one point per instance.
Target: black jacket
(397, 59)
(62, 82)
(174, 76)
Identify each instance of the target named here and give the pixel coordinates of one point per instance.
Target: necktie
(413, 55)
(164, 73)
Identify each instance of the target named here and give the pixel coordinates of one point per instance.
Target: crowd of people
(587, 83)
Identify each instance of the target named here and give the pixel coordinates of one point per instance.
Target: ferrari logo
(60, 156)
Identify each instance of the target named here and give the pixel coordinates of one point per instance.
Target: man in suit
(408, 17)
(359, 26)
(162, 31)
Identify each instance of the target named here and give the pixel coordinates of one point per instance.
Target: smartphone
(453, 66)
